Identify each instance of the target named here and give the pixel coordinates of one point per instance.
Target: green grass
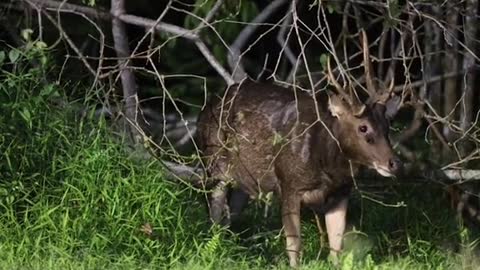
(73, 197)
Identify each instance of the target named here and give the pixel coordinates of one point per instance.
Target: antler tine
(332, 80)
(386, 94)
(391, 86)
(367, 65)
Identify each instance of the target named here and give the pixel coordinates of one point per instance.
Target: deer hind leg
(237, 201)
(335, 221)
(218, 207)
(291, 225)
(217, 200)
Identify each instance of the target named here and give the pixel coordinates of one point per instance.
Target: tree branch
(143, 22)
(234, 60)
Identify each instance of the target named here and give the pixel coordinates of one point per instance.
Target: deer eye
(363, 128)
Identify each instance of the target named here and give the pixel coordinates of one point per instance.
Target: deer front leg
(218, 208)
(335, 221)
(291, 225)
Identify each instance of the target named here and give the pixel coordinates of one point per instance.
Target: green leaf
(277, 139)
(333, 7)
(347, 262)
(89, 2)
(40, 45)
(13, 55)
(27, 117)
(43, 60)
(49, 90)
(27, 34)
(324, 61)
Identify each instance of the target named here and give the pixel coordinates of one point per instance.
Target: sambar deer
(304, 148)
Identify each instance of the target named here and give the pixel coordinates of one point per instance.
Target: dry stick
(188, 134)
(390, 73)
(175, 169)
(150, 32)
(177, 172)
(160, 27)
(433, 43)
(433, 79)
(144, 22)
(210, 15)
(206, 25)
(421, 114)
(151, 29)
(282, 39)
(65, 7)
(296, 20)
(100, 53)
(177, 109)
(70, 43)
(418, 104)
(234, 57)
(427, 16)
(438, 134)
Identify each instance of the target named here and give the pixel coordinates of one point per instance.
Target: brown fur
(266, 138)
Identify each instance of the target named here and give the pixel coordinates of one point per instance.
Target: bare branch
(147, 23)
(159, 27)
(282, 38)
(235, 49)
(211, 14)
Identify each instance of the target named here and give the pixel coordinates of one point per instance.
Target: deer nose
(394, 164)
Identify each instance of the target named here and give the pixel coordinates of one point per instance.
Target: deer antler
(356, 108)
(375, 94)
(334, 82)
(367, 65)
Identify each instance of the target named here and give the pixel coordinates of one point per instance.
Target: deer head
(363, 127)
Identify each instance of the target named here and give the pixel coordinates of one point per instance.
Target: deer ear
(337, 106)
(392, 106)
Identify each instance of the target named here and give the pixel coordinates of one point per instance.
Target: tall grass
(72, 197)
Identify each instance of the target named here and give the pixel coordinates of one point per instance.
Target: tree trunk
(450, 64)
(432, 49)
(470, 31)
(129, 85)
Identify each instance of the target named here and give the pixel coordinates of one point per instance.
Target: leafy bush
(70, 193)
